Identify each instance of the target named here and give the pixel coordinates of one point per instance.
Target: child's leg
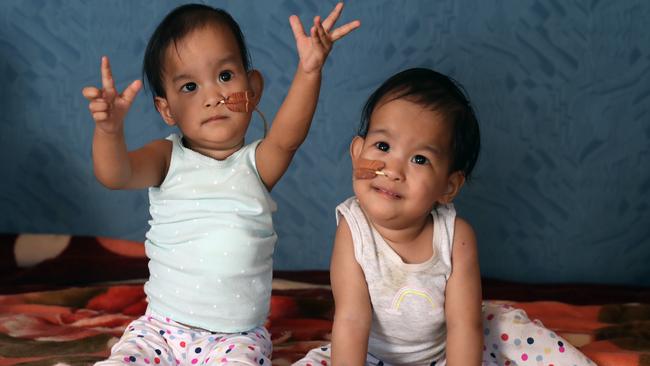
(141, 344)
(510, 338)
(156, 340)
(246, 348)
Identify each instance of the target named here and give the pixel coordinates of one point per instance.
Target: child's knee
(247, 348)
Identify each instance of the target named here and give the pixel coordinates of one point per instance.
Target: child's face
(204, 68)
(415, 144)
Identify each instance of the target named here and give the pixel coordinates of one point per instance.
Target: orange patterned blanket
(76, 326)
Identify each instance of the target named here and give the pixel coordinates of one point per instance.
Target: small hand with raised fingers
(314, 48)
(107, 107)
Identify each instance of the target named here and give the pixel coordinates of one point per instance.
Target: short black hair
(176, 25)
(440, 93)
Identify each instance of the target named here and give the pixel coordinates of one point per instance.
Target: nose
(393, 171)
(213, 97)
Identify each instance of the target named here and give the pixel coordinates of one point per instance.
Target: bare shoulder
(464, 246)
(271, 162)
(343, 252)
(162, 146)
(158, 150)
(349, 285)
(343, 265)
(343, 230)
(150, 164)
(463, 293)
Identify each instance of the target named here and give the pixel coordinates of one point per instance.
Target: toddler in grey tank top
(404, 270)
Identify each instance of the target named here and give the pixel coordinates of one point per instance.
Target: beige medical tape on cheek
(243, 102)
(367, 169)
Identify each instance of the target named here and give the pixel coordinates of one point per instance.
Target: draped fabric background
(562, 89)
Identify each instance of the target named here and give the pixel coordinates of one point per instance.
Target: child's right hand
(314, 49)
(107, 107)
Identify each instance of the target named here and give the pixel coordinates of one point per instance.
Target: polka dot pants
(154, 340)
(510, 339)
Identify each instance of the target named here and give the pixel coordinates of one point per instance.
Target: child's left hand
(313, 49)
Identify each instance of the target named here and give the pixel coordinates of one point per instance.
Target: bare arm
(289, 128)
(463, 300)
(114, 166)
(291, 124)
(353, 312)
(141, 168)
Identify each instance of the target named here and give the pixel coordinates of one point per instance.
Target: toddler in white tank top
(211, 239)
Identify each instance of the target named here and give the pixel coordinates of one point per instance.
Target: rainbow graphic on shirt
(405, 292)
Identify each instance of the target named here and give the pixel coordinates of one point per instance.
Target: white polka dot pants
(154, 340)
(510, 339)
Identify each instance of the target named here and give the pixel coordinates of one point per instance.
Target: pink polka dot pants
(154, 340)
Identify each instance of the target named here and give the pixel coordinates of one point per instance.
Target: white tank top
(408, 300)
(211, 241)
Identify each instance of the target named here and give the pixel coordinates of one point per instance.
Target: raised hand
(314, 48)
(107, 107)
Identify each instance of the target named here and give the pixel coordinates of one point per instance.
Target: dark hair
(176, 25)
(442, 94)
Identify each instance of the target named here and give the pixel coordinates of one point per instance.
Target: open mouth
(387, 193)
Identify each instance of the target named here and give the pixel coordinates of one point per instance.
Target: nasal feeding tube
(367, 169)
(243, 101)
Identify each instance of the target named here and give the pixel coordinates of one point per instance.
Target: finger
(107, 78)
(315, 38)
(98, 106)
(131, 91)
(100, 116)
(331, 19)
(322, 35)
(91, 92)
(296, 27)
(343, 30)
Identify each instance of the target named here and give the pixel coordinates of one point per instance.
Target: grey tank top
(408, 300)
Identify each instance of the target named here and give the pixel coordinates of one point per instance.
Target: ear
(256, 82)
(163, 108)
(355, 148)
(454, 183)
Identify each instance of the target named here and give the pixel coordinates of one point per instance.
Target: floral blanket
(45, 321)
(77, 326)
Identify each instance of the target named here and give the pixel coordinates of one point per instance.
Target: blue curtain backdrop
(562, 89)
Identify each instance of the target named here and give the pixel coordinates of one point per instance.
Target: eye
(188, 88)
(382, 146)
(225, 76)
(419, 159)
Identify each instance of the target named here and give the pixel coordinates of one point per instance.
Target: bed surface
(77, 325)
(69, 308)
